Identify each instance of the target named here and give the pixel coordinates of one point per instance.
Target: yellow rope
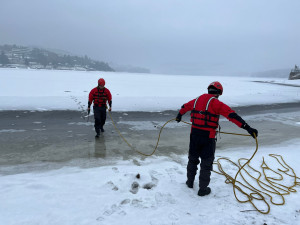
(269, 185)
(131, 145)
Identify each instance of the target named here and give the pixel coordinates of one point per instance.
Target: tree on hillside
(26, 62)
(48, 59)
(42, 59)
(3, 59)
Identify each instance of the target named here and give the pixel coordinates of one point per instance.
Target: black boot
(97, 135)
(205, 191)
(189, 183)
(102, 130)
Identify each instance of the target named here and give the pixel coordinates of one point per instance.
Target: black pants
(204, 147)
(100, 117)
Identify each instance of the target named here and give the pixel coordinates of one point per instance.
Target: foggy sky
(166, 36)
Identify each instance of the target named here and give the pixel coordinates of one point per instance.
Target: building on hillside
(295, 73)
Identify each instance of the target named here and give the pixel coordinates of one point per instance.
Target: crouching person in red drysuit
(100, 96)
(205, 112)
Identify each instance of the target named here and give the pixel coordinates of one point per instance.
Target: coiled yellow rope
(271, 185)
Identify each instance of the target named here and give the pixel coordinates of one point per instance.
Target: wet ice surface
(39, 141)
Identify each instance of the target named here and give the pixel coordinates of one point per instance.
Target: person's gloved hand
(178, 117)
(250, 130)
(88, 111)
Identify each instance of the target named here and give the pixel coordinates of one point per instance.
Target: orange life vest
(202, 116)
(100, 96)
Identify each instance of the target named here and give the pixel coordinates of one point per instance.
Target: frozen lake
(37, 141)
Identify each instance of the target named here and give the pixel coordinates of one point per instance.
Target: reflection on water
(100, 147)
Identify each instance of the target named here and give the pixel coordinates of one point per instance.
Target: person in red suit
(205, 113)
(100, 96)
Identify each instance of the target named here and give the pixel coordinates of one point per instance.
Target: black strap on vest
(99, 96)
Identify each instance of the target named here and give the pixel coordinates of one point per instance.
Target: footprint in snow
(125, 201)
(112, 186)
(164, 198)
(149, 186)
(134, 187)
(115, 169)
(112, 210)
(173, 217)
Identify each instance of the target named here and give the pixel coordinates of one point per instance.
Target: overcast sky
(166, 36)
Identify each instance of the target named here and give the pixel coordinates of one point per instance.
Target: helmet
(215, 88)
(101, 82)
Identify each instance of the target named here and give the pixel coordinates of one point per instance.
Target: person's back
(205, 112)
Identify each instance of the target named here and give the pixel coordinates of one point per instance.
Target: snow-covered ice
(68, 90)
